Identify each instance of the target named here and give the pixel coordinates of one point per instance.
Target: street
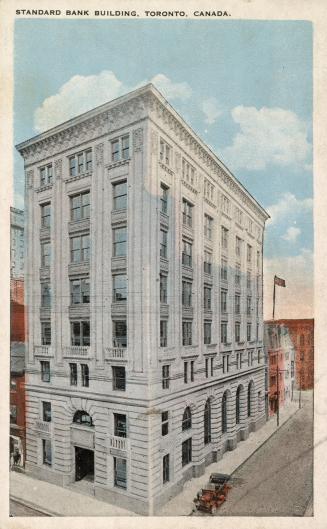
(19, 509)
(277, 479)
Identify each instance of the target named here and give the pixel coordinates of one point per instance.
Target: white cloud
(288, 206)
(291, 234)
(267, 136)
(211, 109)
(82, 93)
(296, 300)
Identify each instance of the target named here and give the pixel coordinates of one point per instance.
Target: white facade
(174, 185)
(16, 243)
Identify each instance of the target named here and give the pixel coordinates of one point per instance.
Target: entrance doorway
(84, 464)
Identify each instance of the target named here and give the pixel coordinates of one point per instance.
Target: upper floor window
(188, 171)
(187, 419)
(207, 263)
(163, 333)
(249, 332)
(118, 378)
(207, 332)
(46, 452)
(46, 411)
(223, 333)
(80, 163)
(46, 332)
(248, 305)
(207, 298)
(224, 238)
(186, 293)
(120, 149)
(45, 253)
(45, 215)
(248, 280)
(164, 423)
(120, 333)
(237, 332)
(119, 242)
(80, 248)
(120, 425)
(165, 152)
(80, 333)
(80, 291)
(120, 195)
(249, 253)
(225, 204)
(187, 213)
(238, 215)
(208, 189)
(224, 270)
(73, 374)
(225, 364)
(163, 288)
(85, 375)
(250, 225)
(208, 222)
(187, 332)
(119, 287)
(163, 244)
(223, 301)
(237, 304)
(164, 198)
(45, 295)
(238, 244)
(165, 376)
(46, 175)
(187, 254)
(80, 206)
(237, 275)
(45, 370)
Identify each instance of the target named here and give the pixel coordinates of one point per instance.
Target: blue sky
(244, 86)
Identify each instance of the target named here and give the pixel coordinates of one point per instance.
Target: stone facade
(176, 259)
(16, 243)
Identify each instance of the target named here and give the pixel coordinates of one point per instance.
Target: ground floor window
(186, 452)
(120, 472)
(165, 468)
(47, 452)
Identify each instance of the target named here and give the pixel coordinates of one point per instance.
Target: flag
(280, 282)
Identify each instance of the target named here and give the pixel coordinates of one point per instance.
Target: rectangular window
(119, 287)
(119, 242)
(45, 215)
(45, 295)
(224, 238)
(46, 175)
(80, 248)
(225, 364)
(80, 291)
(163, 244)
(225, 205)
(73, 374)
(186, 294)
(80, 333)
(192, 371)
(165, 468)
(188, 172)
(223, 270)
(207, 332)
(237, 276)
(248, 305)
(248, 280)
(119, 195)
(80, 206)
(45, 371)
(164, 199)
(249, 332)
(164, 423)
(249, 253)
(46, 332)
(13, 414)
(46, 411)
(120, 425)
(207, 367)
(118, 378)
(125, 147)
(185, 372)
(223, 332)
(211, 367)
(45, 253)
(120, 473)
(165, 152)
(223, 301)
(163, 333)
(163, 288)
(165, 376)
(119, 332)
(237, 332)
(187, 254)
(187, 332)
(80, 163)
(207, 262)
(208, 223)
(85, 375)
(187, 213)
(238, 245)
(115, 151)
(46, 451)
(237, 304)
(207, 298)
(186, 452)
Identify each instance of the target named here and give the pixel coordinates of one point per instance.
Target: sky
(245, 87)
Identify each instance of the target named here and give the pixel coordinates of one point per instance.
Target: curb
(33, 506)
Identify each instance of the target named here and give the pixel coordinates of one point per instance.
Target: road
(19, 509)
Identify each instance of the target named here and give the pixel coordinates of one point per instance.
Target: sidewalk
(58, 501)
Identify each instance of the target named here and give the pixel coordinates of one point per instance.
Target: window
(238, 244)
(237, 304)
(120, 149)
(223, 270)
(208, 223)
(80, 163)
(249, 400)
(223, 332)
(248, 332)
(46, 411)
(249, 253)
(225, 364)
(119, 333)
(165, 468)
(163, 244)
(163, 288)
(45, 253)
(207, 423)
(192, 371)
(238, 414)
(238, 216)
(187, 254)
(165, 152)
(211, 367)
(207, 262)
(187, 419)
(163, 333)
(185, 372)
(187, 332)
(248, 280)
(85, 375)
(45, 371)
(224, 238)
(120, 473)
(188, 171)
(80, 291)
(225, 204)
(207, 332)
(248, 305)
(250, 358)
(119, 287)
(208, 189)
(13, 414)
(223, 301)
(207, 367)
(45, 215)
(46, 452)
(46, 175)
(224, 423)
(187, 213)
(186, 452)
(164, 423)
(207, 297)
(120, 195)
(80, 248)
(163, 199)
(118, 378)
(46, 332)
(120, 429)
(80, 206)
(237, 276)
(239, 359)
(82, 417)
(165, 377)
(45, 295)
(80, 333)
(73, 374)
(186, 293)
(119, 242)
(237, 332)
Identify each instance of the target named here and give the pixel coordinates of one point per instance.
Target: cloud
(291, 234)
(296, 300)
(269, 136)
(82, 93)
(288, 206)
(211, 109)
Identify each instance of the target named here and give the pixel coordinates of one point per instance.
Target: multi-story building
(17, 403)
(144, 290)
(16, 243)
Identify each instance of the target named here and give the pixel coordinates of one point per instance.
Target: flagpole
(274, 298)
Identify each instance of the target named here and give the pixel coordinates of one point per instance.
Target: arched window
(224, 413)
(238, 396)
(187, 419)
(249, 399)
(207, 423)
(81, 417)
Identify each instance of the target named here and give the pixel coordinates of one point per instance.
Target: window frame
(122, 197)
(118, 381)
(45, 370)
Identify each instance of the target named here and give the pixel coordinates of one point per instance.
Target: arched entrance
(83, 439)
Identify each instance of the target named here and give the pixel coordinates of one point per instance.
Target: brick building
(17, 400)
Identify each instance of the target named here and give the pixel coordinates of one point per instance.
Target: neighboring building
(302, 334)
(17, 311)
(144, 291)
(17, 400)
(16, 243)
(281, 363)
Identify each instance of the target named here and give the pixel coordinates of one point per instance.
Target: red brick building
(302, 335)
(17, 311)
